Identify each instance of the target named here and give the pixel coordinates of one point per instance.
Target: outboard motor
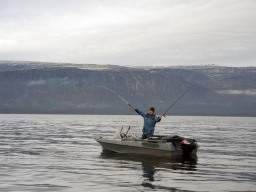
(188, 145)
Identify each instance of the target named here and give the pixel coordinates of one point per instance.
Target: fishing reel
(130, 107)
(123, 135)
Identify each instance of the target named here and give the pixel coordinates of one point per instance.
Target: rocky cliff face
(27, 87)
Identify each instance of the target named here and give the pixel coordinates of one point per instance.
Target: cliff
(36, 87)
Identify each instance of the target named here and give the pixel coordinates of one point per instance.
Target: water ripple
(59, 153)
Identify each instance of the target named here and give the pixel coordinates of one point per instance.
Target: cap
(152, 109)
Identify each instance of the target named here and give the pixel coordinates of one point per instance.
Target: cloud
(251, 92)
(34, 83)
(141, 32)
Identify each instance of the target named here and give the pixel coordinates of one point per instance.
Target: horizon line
(131, 66)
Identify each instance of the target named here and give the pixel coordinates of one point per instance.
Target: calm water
(58, 153)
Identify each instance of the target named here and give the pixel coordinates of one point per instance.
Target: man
(150, 120)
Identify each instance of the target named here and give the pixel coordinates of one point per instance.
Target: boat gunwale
(135, 146)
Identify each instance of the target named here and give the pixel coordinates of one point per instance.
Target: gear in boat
(128, 140)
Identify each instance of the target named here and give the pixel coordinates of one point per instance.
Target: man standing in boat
(150, 120)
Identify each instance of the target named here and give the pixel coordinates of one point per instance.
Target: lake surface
(59, 153)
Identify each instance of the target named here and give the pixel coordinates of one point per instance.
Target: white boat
(124, 141)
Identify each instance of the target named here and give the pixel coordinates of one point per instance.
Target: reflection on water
(148, 173)
(150, 165)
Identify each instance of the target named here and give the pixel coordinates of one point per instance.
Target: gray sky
(132, 32)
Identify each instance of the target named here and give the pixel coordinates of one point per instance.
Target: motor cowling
(188, 145)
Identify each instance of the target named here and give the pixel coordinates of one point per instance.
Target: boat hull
(142, 147)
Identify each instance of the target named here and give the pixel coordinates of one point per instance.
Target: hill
(37, 87)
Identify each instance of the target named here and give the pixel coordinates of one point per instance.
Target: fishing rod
(182, 95)
(130, 106)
